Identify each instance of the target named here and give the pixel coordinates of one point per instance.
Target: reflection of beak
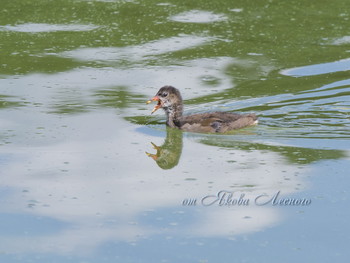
(154, 156)
(159, 105)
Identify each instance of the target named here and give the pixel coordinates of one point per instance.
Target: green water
(76, 184)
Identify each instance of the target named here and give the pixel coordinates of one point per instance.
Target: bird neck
(174, 113)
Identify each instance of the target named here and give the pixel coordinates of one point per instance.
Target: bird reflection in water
(168, 154)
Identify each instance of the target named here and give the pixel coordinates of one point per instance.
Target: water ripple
(318, 113)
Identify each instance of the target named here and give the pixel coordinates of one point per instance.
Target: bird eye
(164, 94)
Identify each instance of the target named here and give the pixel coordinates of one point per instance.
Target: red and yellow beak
(159, 105)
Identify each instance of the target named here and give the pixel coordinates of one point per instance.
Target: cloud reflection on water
(318, 69)
(93, 186)
(139, 52)
(40, 28)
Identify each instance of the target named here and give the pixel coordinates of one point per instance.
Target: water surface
(87, 174)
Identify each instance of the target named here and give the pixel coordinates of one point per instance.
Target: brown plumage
(169, 98)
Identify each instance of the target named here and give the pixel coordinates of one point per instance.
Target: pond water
(87, 174)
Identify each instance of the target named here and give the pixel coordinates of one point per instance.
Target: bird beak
(159, 105)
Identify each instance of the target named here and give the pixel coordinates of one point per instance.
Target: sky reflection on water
(76, 184)
(89, 187)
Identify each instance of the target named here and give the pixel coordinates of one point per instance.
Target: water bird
(169, 99)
